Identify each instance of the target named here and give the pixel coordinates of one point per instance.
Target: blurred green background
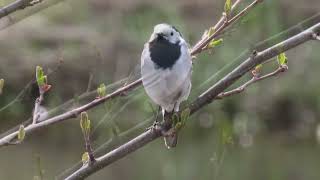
(271, 131)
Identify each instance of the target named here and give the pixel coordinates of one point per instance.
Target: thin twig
(89, 150)
(217, 25)
(70, 114)
(17, 5)
(111, 142)
(206, 98)
(204, 42)
(37, 104)
(223, 17)
(89, 82)
(254, 79)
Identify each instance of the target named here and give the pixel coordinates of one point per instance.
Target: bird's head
(167, 32)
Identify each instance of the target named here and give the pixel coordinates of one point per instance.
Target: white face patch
(167, 31)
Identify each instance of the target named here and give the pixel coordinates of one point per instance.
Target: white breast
(167, 87)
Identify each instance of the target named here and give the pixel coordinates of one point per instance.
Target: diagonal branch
(70, 114)
(254, 79)
(202, 45)
(17, 5)
(206, 98)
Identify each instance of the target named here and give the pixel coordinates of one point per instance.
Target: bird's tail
(170, 137)
(171, 140)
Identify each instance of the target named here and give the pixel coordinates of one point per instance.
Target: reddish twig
(36, 113)
(202, 45)
(254, 79)
(70, 114)
(17, 5)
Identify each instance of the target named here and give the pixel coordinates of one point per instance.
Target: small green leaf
(211, 31)
(282, 59)
(226, 133)
(21, 133)
(215, 43)
(257, 70)
(45, 80)
(227, 7)
(85, 158)
(40, 76)
(178, 126)
(85, 123)
(175, 119)
(185, 115)
(258, 67)
(102, 90)
(1, 85)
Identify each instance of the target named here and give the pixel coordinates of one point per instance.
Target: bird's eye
(171, 33)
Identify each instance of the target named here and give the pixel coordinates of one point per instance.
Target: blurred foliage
(271, 131)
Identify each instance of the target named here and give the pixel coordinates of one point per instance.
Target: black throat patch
(163, 53)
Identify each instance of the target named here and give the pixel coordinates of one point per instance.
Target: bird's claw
(168, 133)
(154, 126)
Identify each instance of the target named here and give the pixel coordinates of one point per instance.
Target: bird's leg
(169, 133)
(156, 123)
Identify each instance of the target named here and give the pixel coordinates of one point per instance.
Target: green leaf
(45, 80)
(185, 115)
(257, 70)
(21, 133)
(258, 67)
(85, 123)
(102, 90)
(41, 79)
(215, 43)
(226, 133)
(282, 59)
(1, 85)
(178, 126)
(211, 31)
(227, 7)
(175, 119)
(85, 158)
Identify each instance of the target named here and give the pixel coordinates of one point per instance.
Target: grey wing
(148, 74)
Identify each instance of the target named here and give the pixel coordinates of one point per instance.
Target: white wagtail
(166, 71)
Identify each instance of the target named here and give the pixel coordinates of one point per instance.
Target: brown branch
(216, 26)
(206, 98)
(202, 45)
(254, 79)
(17, 5)
(89, 150)
(121, 91)
(112, 142)
(223, 18)
(37, 104)
(70, 114)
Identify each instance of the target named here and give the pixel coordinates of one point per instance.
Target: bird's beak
(160, 35)
(156, 36)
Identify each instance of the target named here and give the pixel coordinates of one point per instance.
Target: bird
(166, 68)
